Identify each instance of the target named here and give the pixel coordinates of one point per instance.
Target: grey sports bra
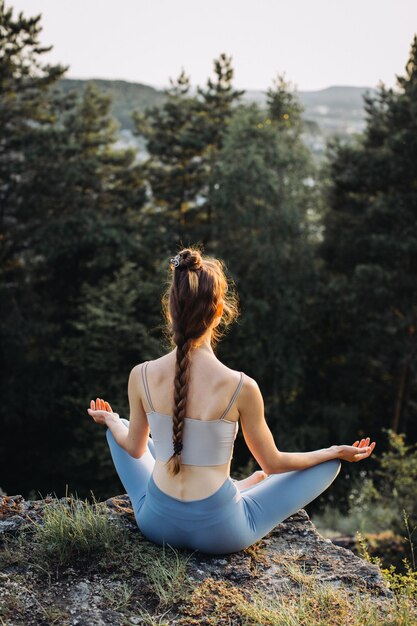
(208, 442)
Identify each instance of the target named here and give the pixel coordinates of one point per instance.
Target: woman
(179, 480)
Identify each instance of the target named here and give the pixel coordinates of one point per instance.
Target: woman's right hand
(357, 452)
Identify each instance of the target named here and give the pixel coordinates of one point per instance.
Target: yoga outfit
(229, 519)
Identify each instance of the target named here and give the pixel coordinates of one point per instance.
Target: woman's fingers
(100, 405)
(358, 451)
(362, 443)
(366, 452)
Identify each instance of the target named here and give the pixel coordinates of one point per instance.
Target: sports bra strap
(145, 385)
(233, 398)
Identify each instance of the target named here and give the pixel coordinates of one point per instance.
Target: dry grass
(152, 583)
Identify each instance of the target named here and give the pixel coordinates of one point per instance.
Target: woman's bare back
(211, 386)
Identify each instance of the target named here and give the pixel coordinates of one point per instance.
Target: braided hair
(197, 286)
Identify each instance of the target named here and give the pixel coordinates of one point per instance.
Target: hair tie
(177, 447)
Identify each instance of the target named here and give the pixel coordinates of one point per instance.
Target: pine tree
(183, 137)
(70, 216)
(219, 101)
(370, 252)
(24, 110)
(260, 204)
(174, 169)
(284, 105)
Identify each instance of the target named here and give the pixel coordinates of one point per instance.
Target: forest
(323, 257)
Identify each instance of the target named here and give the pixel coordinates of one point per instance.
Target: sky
(314, 43)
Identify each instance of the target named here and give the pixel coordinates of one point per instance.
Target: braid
(182, 368)
(195, 289)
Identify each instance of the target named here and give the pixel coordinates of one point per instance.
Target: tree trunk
(401, 396)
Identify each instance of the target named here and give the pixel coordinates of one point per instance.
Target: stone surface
(267, 565)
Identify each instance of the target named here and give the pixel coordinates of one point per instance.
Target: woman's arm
(134, 438)
(260, 441)
(102, 413)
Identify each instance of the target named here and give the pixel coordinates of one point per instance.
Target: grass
(118, 598)
(312, 603)
(168, 577)
(151, 582)
(75, 530)
(80, 535)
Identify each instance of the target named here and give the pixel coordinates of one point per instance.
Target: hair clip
(176, 260)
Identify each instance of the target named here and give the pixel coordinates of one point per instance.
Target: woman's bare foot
(253, 479)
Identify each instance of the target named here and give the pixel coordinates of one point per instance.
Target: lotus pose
(173, 456)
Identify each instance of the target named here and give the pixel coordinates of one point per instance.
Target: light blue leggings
(228, 520)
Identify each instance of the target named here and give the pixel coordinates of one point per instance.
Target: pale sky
(316, 43)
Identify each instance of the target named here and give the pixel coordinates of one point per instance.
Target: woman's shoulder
(247, 381)
(155, 368)
(157, 361)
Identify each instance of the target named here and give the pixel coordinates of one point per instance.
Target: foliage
(395, 478)
(389, 497)
(69, 218)
(369, 295)
(262, 231)
(401, 583)
(183, 137)
(325, 273)
(385, 500)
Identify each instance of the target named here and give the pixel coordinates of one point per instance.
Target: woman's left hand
(101, 411)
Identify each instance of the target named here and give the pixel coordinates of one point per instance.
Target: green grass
(75, 530)
(151, 582)
(168, 578)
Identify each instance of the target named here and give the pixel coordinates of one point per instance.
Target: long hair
(197, 286)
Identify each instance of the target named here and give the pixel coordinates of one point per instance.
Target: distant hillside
(335, 109)
(126, 96)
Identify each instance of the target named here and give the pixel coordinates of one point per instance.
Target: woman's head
(199, 301)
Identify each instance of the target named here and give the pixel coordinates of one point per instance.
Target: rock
(272, 564)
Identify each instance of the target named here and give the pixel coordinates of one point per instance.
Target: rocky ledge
(278, 567)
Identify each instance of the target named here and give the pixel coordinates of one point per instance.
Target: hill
(334, 109)
(126, 97)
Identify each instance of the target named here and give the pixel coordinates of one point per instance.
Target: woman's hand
(357, 452)
(101, 411)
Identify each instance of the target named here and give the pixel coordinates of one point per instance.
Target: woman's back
(179, 480)
(213, 395)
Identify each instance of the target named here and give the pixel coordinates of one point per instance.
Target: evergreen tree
(218, 100)
(183, 137)
(70, 217)
(370, 254)
(24, 109)
(284, 107)
(118, 324)
(260, 203)
(174, 169)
